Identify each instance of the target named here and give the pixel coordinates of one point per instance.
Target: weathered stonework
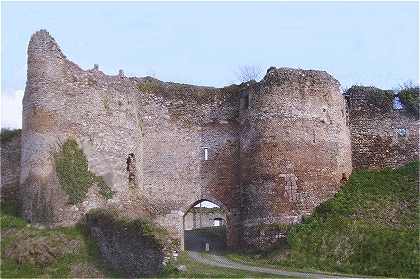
(10, 168)
(135, 248)
(295, 146)
(275, 149)
(165, 125)
(381, 135)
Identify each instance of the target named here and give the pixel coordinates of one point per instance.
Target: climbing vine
(73, 174)
(409, 97)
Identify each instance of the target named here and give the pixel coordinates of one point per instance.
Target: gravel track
(220, 261)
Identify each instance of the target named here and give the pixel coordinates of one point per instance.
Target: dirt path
(220, 261)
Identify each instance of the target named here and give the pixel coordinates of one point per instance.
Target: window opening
(397, 105)
(402, 132)
(206, 153)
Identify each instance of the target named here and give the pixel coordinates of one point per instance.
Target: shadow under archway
(205, 227)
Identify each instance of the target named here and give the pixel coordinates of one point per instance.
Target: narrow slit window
(397, 105)
(244, 100)
(402, 132)
(206, 153)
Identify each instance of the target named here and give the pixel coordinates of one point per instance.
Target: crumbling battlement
(265, 152)
(383, 132)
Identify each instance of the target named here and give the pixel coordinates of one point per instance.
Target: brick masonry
(276, 149)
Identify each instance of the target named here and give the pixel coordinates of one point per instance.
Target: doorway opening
(205, 227)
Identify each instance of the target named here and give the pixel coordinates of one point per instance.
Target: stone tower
(295, 146)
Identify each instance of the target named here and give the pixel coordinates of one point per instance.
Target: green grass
(14, 228)
(270, 260)
(370, 227)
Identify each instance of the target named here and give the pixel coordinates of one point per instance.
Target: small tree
(247, 73)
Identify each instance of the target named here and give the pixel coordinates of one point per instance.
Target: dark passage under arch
(200, 232)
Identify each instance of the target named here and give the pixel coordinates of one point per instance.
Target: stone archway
(198, 228)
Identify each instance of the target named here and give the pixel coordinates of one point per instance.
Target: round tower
(295, 147)
(37, 180)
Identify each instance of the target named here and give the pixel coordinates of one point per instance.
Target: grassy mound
(29, 252)
(370, 227)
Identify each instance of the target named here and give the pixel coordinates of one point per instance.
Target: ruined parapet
(295, 146)
(383, 132)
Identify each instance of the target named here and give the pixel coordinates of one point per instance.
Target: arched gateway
(271, 160)
(200, 230)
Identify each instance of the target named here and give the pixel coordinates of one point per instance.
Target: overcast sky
(205, 43)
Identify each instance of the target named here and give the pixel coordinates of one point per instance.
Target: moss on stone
(73, 174)
(104, 189)
(110, 217)
(149, 86)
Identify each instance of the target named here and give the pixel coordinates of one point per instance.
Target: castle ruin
(266, 152)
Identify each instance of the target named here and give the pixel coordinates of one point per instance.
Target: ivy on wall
(73, 173)
(409, 97)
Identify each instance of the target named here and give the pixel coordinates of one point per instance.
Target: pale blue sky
(204, 43)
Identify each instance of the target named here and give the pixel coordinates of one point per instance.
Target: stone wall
(295, 146)
(178, 122)
(10, 167)
(381, 135)
(135, 248)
